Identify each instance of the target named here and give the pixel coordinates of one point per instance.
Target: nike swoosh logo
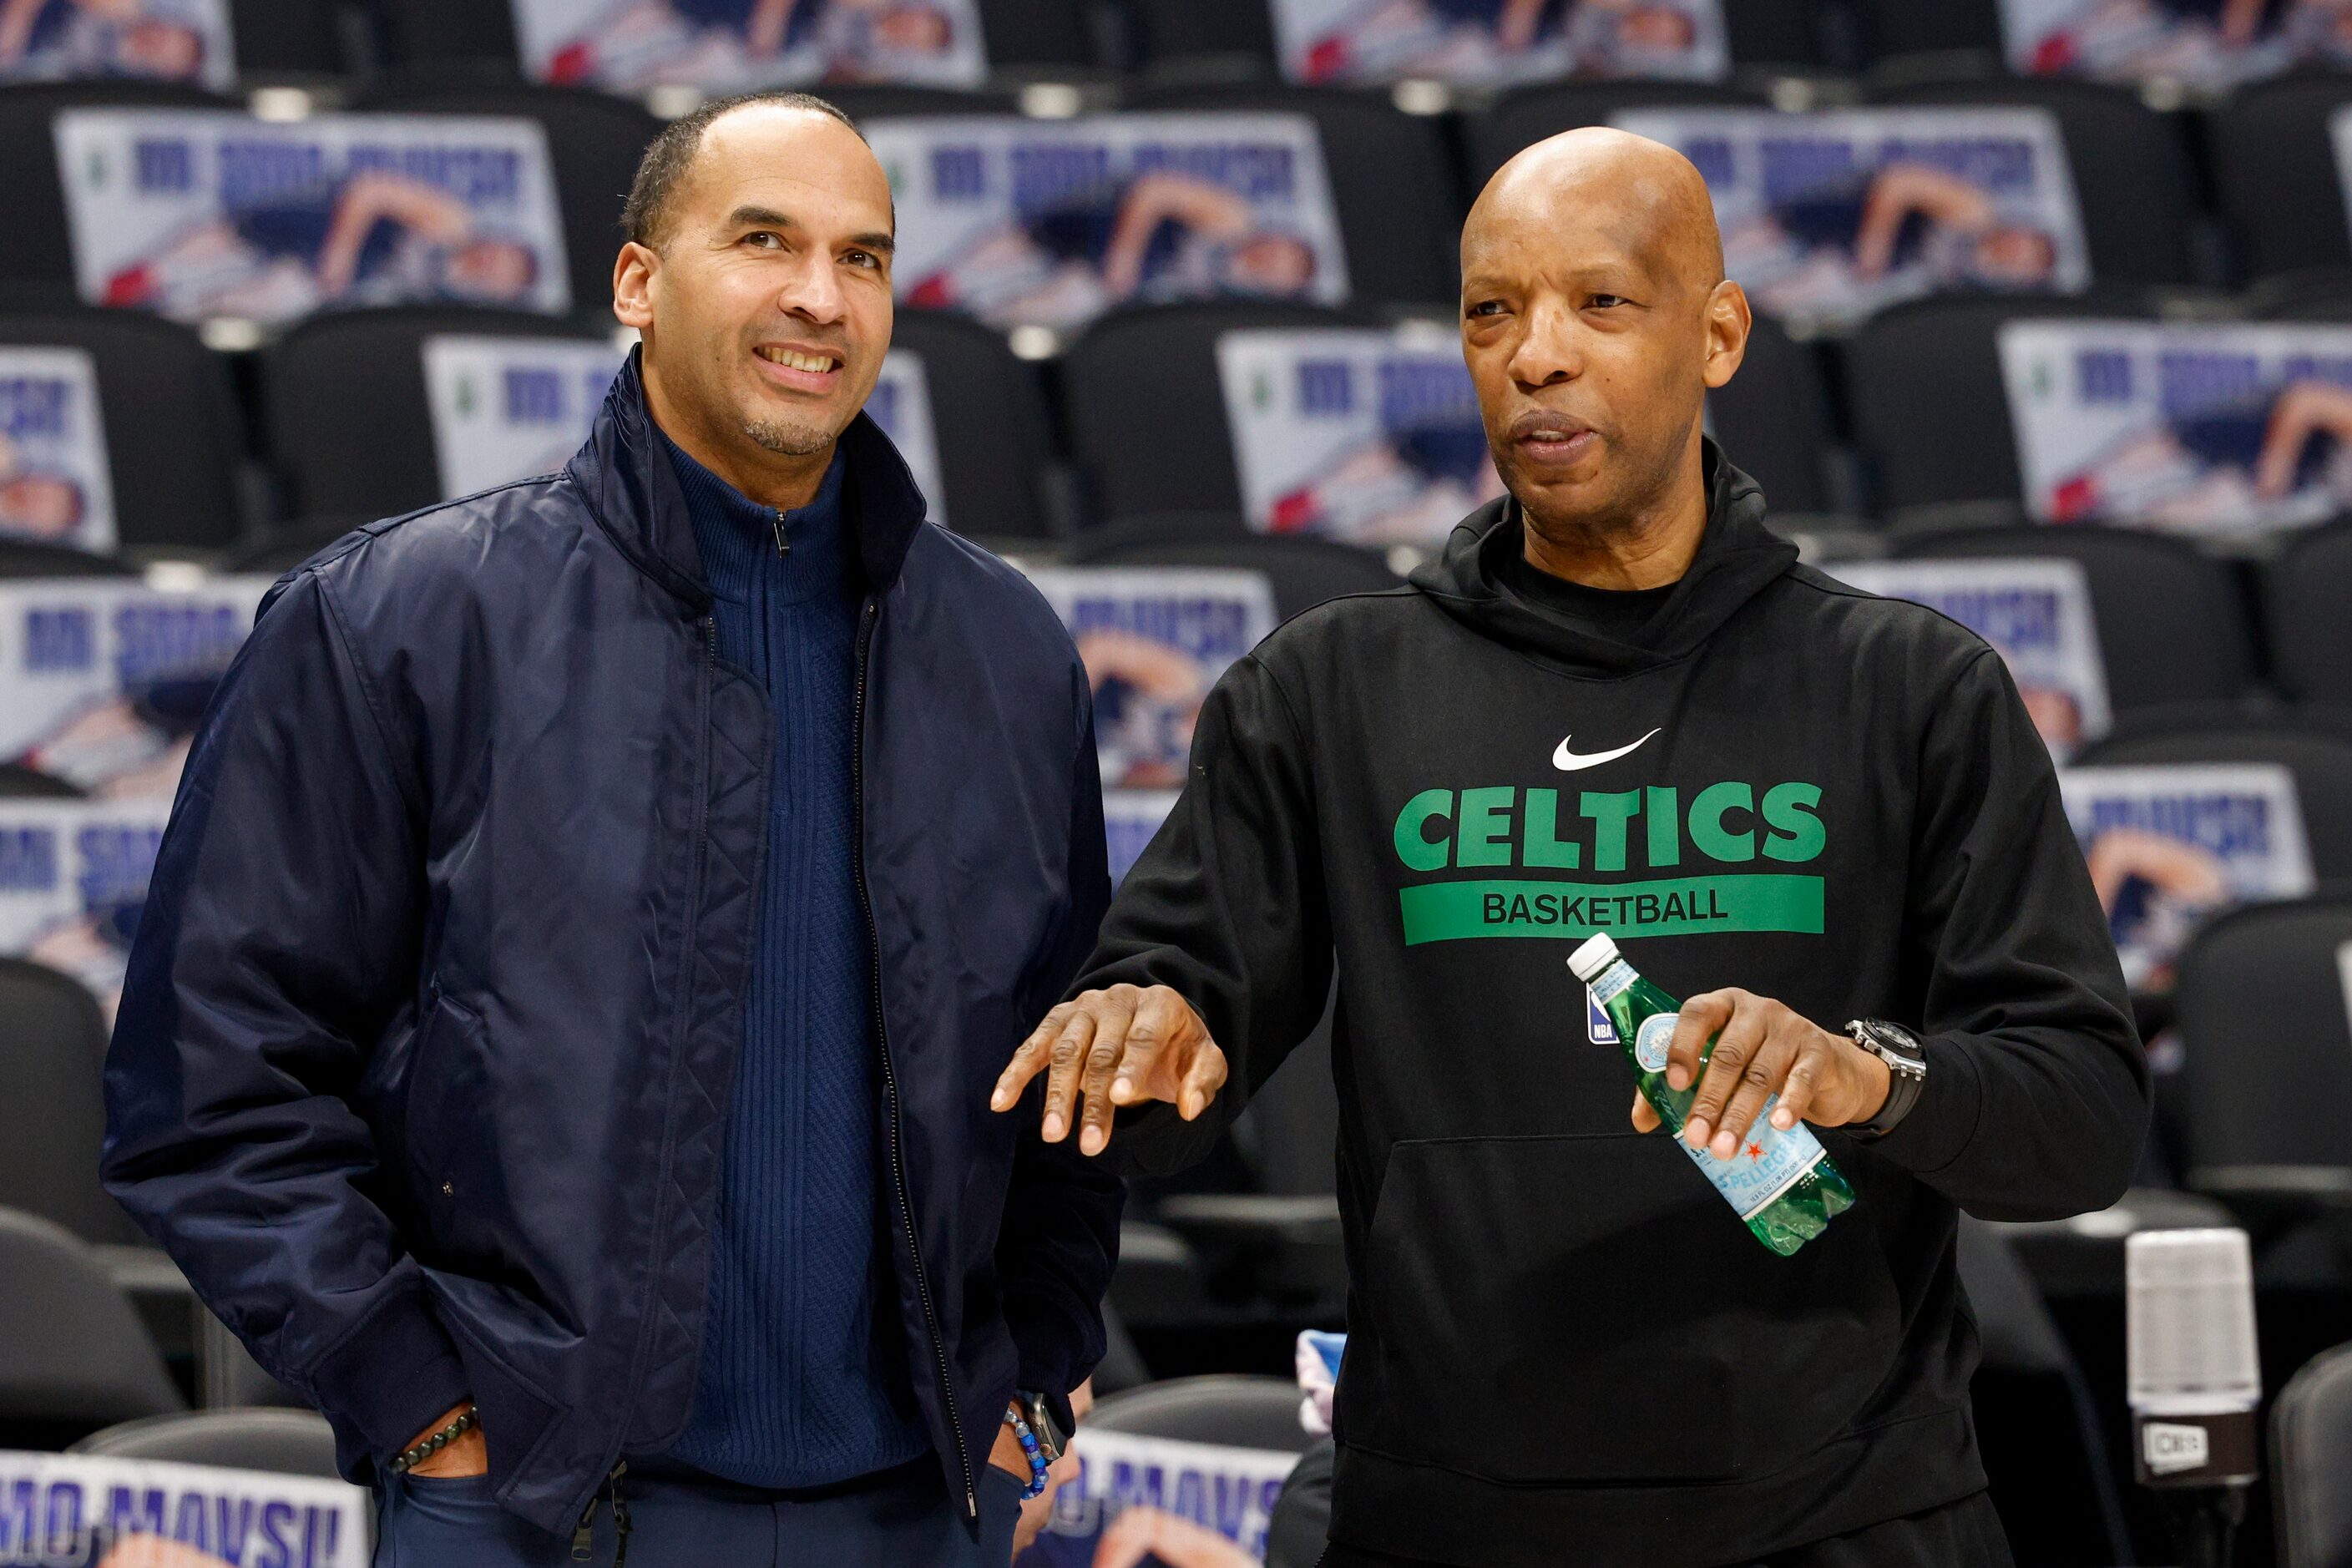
(1568, 761)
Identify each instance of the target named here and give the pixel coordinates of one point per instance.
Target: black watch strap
(1906, 1073)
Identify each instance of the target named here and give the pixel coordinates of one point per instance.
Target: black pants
(1963, 1534)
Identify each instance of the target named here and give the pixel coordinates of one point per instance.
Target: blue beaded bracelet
(1037, 1464)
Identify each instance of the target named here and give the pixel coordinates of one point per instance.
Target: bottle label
(1597, 1027)
(1611, 982)
(1653, 1039)
(1770, 1162)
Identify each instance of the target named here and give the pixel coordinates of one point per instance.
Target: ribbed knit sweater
(803, 1381)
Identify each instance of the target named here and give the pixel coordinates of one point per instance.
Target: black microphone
(2195, 1382)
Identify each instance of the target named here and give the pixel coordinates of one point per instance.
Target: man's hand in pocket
(468, 1455)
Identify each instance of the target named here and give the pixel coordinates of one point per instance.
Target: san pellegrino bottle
(1783, 1184)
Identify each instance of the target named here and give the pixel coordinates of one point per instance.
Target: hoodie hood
(1737, 557)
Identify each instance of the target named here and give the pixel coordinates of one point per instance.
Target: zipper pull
(971, 1504)
(783, 545)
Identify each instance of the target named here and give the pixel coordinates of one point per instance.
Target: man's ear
(633, 285)
(1728, 322)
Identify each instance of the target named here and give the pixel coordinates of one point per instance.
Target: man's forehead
(1562, 234)
(786, 160)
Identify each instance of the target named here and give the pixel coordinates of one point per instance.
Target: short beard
(787, 439)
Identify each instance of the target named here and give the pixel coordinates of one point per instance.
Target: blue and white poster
(1830, 216)
(1050, 223)
(55, 484)
(86, 40)
(901, 404)
(102, 682)
(1130, 817)
(73, 879)
(2171, 845)
(1154, 640)
(2198, 427)
(1364, 435)
(202, 213)
(80, 1510)
(2204, 44)
(2035, 612)
(733, 46)
(1497, 43)
(507, 409)
(1139, 1501)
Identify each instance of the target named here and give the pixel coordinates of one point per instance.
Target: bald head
(1594, 318)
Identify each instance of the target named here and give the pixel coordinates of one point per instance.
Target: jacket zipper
(783, 546)
(889, 1075)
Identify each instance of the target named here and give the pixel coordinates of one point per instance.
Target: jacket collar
(632, 491)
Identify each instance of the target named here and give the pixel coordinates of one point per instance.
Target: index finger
(1702, 1017)
(1029, 1059)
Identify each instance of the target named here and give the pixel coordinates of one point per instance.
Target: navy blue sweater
(802, 1383)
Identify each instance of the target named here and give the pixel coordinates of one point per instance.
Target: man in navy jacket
(560, 1037)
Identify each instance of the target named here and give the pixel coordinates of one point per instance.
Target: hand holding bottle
(1762, 1048)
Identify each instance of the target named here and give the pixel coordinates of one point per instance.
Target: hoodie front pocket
(1586, 1309)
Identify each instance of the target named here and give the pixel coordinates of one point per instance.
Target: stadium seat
(350, 426)
(1930, 412)
(77, 1360)
(1304, 572)
(2261, 1005)
(1894, 28)
(278, 1442)
(2311, 1455)
(2131, 167)
(593, 142)
(35, 250)
(1773, 420)
(288, 38)
(2317, 753)
(2309, 594)
(1803, 34)
(1527, 115)
(18, 781)
(1205, 39)
(1392, 181)
(2170, 622)
(1158, 441)
(2273, 166)
(174, 437)
(52, 1043)
(33, 558)
(989, 421)
(1238, 1411)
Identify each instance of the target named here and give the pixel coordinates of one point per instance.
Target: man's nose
(1551, 349)
(815, 292)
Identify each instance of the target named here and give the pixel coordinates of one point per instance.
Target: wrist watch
(1052, 1436)
(1907, 1073)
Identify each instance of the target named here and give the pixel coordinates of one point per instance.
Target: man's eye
(1604, 301)
(1486, 308)
(765, 238)
(862, 259)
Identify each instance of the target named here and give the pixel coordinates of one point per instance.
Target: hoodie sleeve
(1227, 908)
(2037, 1093)
(279, 936)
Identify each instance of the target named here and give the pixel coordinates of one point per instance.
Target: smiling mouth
(793, 359)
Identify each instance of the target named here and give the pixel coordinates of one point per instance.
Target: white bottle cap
(2188, 1300)
(1589, 960)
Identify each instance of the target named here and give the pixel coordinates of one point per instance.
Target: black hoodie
(1564, 1346)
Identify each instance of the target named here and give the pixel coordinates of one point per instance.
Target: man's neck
(1649, 549)
(778, 479)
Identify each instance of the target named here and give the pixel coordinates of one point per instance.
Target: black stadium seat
(1527, 115)
(2317, 753)
(291, 38)
(1304, 573)
(1892, 28)
(1773, 420)
(35, 251)
(2274, 168)
(52, 1043)
(173, 435)
(989, 421)
(2310, 616)
(1924, 384)
(593, 142)
(2311, 1453)
(1236, 1411)
(1391, 180)
(2170, 622)
(2131, 167)
(1231, 38)
(77, 1359)
(350, 426)
(36, 558)
(275, 1442)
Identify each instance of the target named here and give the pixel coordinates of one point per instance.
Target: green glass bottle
(1782, 1184)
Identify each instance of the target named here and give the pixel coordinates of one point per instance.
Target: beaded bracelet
(1036, 1456)
(411, 1458)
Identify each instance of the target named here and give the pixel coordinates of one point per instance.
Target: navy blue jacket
(422, 1062)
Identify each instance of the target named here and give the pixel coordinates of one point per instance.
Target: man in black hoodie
(1618, 704)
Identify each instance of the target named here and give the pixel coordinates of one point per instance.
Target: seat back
(1892, 28)
(2309, 589)
(277, 1442)
(988, 423)
(2318, 755)
(1303, 573)
(77, 1358)
(2274, 160)
(52, 1052)
(2311, 1455)
(1773, 420)
(1229, 37)
(2263, 999)
(1241, 1412)
(36, 243)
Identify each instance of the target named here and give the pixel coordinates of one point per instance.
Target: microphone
(2195, 1381)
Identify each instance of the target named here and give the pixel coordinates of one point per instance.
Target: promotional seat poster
(2173, 844)
(1830, 216)
(1130, 816)
(197, 213)
(73, 881)
(733, 46)
(2206, 44)
(1159, 1502)
(2195, 428)
(507, 409)
(1364, 435)
(96, 40)
(1494, 43)
(2036, 613)
(82, 1510)
(55, 486)
(1050, 223)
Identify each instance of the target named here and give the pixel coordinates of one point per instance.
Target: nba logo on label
(1597, 1027)
(2169, 1447)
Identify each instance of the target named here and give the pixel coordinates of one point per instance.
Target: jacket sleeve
(1059, 1240)
(1227, 908)
(278, 939)
(2037, 1094)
